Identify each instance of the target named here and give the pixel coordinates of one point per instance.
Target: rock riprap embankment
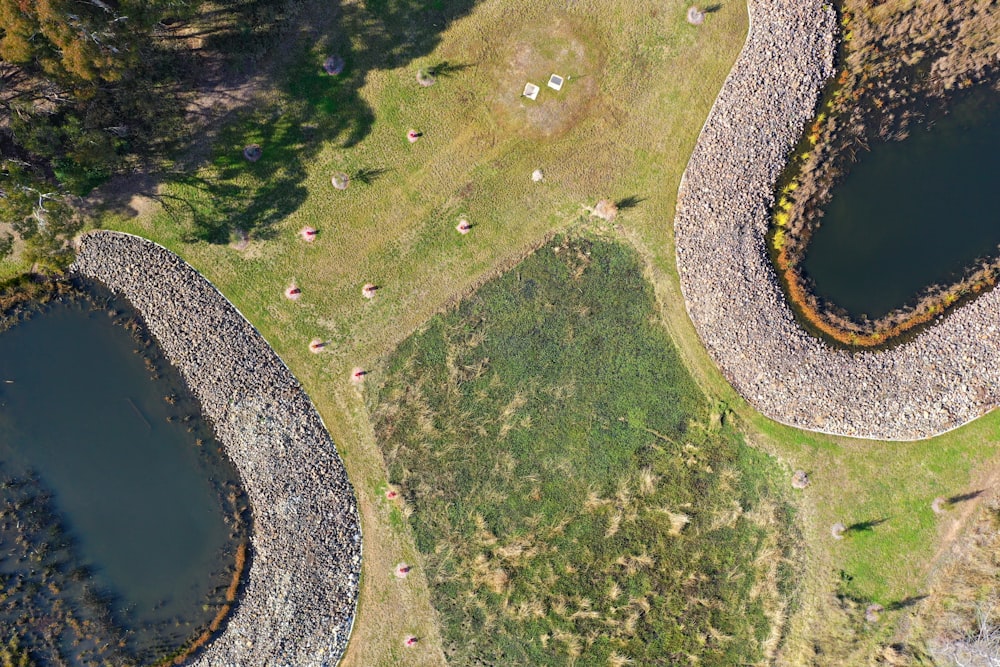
(299, 601)
(948, 375)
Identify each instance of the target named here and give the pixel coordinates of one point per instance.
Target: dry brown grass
(534, 48)
(963, 577)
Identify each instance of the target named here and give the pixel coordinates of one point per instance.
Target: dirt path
(960, 521)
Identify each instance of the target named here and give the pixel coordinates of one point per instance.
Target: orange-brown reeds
(220, 616)
(887, 328)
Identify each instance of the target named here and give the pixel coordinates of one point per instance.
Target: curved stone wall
(298, 604)
(947, 376)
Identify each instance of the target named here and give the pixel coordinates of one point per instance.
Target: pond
(913, 213)
(121, 517)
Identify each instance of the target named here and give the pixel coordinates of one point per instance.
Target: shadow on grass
(629, 202)
(865, 526)
(314, 109)
(962, 497)
(905, 602)
(368, 175)
(446, 68)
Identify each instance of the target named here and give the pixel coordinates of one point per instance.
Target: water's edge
(300, 599)
(947, 376)
(75, 345)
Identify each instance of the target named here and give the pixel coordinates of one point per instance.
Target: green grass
(551, 445)
(891, 563)
(231, 193)
(892, 484)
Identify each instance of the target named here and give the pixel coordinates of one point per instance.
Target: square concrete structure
(556, 82)
(530, 91)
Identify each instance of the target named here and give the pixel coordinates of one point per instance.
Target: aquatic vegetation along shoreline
(902, 67)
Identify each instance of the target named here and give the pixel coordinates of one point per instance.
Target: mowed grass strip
(572, 494)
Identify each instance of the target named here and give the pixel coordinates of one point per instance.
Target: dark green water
(913, 213)
(135, 479)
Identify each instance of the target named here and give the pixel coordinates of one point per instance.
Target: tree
(38, 213)
(83, 41)
(82, 96)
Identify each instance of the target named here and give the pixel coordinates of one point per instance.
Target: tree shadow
(865, 526)
(223, 190)
(244, 31)
(446, 68)
(368, 175)
(711, 9)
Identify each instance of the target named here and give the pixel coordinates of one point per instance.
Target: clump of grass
(567, 491)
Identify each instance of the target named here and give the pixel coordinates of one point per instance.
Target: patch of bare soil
(559, 46)
(241, 241)
(221, 91)
(132, 195)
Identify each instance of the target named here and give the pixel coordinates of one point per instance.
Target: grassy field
(886, 491)
(623, 127)
(573, 495)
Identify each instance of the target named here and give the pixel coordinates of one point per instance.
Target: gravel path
(299, 602)
(945, 377)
